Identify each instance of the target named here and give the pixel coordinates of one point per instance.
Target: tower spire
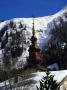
(34, 50)
(33, 29)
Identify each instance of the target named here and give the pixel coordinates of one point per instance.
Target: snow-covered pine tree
(48, 82)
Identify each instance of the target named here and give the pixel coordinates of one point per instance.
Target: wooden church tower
(34, 50)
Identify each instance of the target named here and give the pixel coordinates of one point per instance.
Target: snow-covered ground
(59, 75)
(35, 77)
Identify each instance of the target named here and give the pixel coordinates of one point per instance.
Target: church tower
(34, 50)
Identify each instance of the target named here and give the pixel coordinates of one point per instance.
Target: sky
(25, 8)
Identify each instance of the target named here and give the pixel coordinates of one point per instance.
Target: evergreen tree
(4, 40)
(12, 43)
(48, 82)
(56, 49)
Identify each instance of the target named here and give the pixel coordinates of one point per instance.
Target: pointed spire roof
(33, 38)
(33, 29)
(34, 51)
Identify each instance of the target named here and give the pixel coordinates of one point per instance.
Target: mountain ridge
(43, 25)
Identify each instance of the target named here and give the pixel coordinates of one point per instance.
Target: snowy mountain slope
(43, 25)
